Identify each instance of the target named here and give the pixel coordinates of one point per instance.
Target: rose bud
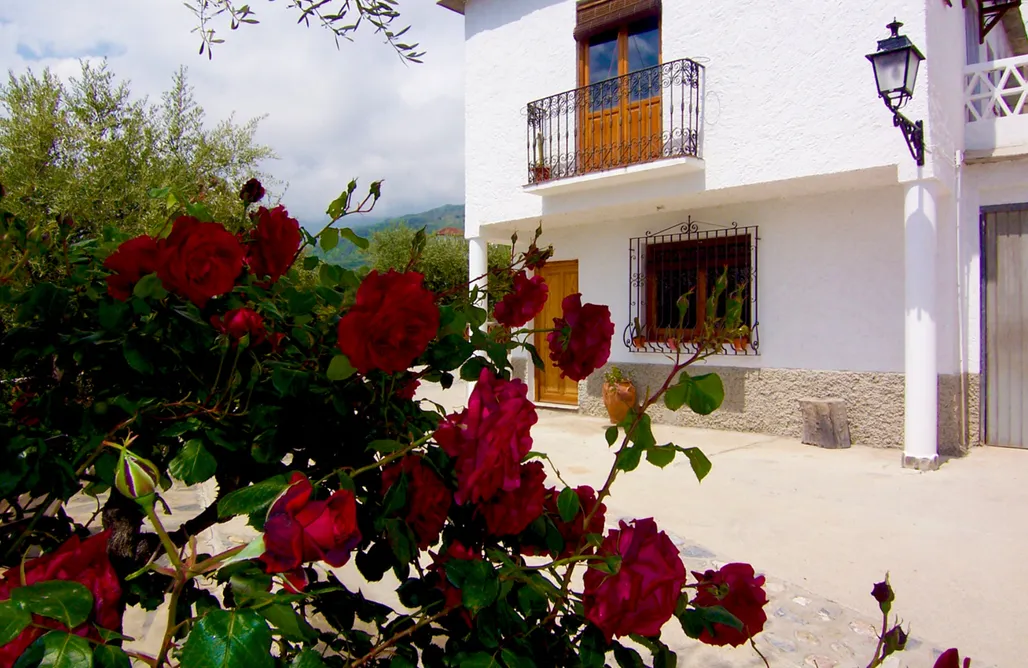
(136, 477)
(895, 640)
(882, 592)
(251, 192)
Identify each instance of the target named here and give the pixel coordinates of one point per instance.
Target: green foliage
(703, 394)
(67, 602)
(88, 151)
(229, 639)
(13, 619)
(64, 650)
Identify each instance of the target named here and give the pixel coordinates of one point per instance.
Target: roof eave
(453, 5)
(1013, 25)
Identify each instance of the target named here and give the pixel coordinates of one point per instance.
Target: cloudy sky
(332, 114)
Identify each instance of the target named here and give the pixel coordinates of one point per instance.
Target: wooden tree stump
(824, 423)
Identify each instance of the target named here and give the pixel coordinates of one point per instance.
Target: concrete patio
(830, 523)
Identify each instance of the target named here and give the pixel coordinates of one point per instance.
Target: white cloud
(332, 115)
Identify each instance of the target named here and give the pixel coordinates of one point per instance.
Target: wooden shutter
(596, 16)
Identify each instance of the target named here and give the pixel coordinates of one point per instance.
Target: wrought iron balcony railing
(648, 115)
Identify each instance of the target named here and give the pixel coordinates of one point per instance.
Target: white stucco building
(659, 141)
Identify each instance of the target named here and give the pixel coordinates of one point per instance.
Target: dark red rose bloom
(951, 659)
(82, 561)
(489, 438)
(408, 389)
(252, 191)
(574, 532)
(391, 324)
(199, 260)
(452, 595)
(239, 323)
(133, 260)
(738, 590)
(428, 498)
(22, 411)
(641, 596)
(581, 343)
(273, 243)
(276, 339)
(883, 593)
(299, 530)
(524, 303)
(510, 513)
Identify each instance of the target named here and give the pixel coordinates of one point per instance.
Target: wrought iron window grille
(685, 259)
(647, 115)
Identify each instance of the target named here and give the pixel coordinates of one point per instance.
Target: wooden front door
(620, 120)
(562, 279)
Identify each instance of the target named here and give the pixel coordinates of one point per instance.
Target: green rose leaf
(64, 650)
(149, 286)
(329, 239)
(136, 359)
(480, 660)
(512, 660)
(288, 622)
(311, 262)
(477, 581)
(109, 656)
(252, 499)
(68, 602)
(627, 657)
(703, 394)
(568, 504)
(229, 639)
(642, 435)
(718, 615)
(307, 659)
(386, 446)
(13, 620)
(353, 238)
(340, 368)
(611, 435)
(629, 458)
(193, 464)
(661, 455)
(701, 466)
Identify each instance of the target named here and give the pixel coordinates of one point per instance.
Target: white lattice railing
(996, 89)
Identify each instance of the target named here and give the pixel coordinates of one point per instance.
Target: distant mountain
(433, 220)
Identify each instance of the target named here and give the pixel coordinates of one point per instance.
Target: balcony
(617, 130)
(995, 109)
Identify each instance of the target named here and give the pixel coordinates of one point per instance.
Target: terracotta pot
(741, 343)
(618, 398)
(639, 341)
(540, 173)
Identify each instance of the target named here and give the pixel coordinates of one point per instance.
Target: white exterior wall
(788, 94)
(830, 278)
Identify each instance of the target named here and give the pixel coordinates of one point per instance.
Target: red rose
(489, 438)
(574, 532)
(524, 303)
(239, 323)
(643, 594)
(510, 513)
(133, 260)
(951, 659)
(735, 588)
(84, 562)
(408, 389)
(299, 530)
(581, 343)
(428, 499)
(252, 191)
(199, 260)
(391, 324)
(273, 243)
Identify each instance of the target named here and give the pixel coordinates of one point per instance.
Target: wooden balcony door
(621, 117)
(562, 279)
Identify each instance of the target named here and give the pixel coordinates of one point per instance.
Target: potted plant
(618, 394)
(638, 337)
(540, 171)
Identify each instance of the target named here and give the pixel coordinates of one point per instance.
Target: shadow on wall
(502, 12)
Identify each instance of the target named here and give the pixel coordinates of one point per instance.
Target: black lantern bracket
(913, 133)
(896, 54)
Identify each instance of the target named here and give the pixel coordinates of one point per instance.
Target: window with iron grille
(685, 262)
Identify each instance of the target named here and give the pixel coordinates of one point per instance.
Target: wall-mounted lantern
(895, 64)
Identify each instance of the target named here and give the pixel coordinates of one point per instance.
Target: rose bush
(197, 355)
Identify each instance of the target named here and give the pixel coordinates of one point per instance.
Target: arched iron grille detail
(683, 258)
(648, 115)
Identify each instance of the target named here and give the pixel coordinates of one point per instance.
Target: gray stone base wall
(767, 401)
